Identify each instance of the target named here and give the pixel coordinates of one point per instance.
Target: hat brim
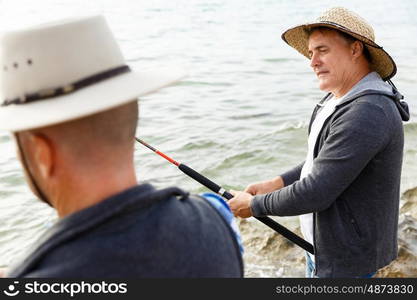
(87, 101)
(382, 62)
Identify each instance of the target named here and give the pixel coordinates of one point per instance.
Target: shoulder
(366, 110)
(378, 103)
(192, 209)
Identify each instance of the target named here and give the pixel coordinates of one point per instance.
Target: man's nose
(314, 60)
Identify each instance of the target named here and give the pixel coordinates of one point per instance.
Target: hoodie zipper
(352, 220)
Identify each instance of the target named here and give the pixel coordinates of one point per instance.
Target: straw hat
(67, 70)
(342, 19)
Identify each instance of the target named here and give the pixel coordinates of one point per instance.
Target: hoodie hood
(373, 84)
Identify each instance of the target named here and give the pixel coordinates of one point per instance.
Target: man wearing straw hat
(347, 190)
(70, 101)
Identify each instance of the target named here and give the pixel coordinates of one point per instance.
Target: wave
(193, 83)
(290, 126)
(250, 116)
(201, 145)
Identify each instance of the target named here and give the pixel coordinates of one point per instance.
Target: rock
(268, 254)
(410, 205)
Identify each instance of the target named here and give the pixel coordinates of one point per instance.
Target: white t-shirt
(306, 221)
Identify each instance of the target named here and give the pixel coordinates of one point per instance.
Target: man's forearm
(292, 175)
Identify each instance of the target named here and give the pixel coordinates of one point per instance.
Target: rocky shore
(267, 254)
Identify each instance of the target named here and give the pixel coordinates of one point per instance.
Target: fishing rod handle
(205, 181)
(200, 178)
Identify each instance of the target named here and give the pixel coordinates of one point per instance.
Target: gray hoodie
(353, 189)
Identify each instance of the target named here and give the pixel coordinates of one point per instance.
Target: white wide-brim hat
(68, 70)
(342, 19)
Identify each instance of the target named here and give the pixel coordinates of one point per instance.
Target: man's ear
(41, 150)
(357, 49)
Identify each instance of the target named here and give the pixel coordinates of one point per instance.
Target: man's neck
(88, 190)
(349, 84)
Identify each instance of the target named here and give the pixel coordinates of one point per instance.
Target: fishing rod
(222, 192)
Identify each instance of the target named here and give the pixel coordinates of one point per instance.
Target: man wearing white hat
(347, 190)
(70, 101)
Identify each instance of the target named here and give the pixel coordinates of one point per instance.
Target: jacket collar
(395, 95)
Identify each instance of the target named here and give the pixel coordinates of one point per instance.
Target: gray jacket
(353, 189)
(141, 232)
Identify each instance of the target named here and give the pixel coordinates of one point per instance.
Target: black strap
(69, 88)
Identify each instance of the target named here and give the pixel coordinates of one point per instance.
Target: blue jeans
(311, 268)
